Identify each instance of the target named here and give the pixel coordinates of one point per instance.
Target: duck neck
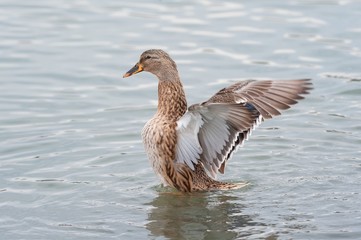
(172, 103)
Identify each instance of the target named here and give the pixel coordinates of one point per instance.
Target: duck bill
(134, 70)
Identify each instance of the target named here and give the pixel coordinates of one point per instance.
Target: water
(72, 165)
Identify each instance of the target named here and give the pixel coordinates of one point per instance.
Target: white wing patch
(215, 134)
(188, 148)
(204, 132)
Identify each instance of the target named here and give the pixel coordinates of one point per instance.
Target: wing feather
(210, 132)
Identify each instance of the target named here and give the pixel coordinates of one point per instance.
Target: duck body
(187, 147)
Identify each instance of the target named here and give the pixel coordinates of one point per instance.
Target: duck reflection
(209, 215)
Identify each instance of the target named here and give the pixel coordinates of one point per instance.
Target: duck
(189, 146)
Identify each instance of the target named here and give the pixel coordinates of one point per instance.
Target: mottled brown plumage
(187, 148)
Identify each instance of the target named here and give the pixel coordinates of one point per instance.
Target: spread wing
(211, 131)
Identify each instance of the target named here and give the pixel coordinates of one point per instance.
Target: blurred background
(72, 165)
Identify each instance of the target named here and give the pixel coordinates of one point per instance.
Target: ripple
(317, 38)
(284, 51)
(309, 59)
(277, 11)
(308, 20)
(183, 21)
(226, 14)
(87, 228)
(212, 34)
(250, 29)
(174, 29)
(356, 77)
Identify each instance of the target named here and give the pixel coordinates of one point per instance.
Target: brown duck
(188, 147)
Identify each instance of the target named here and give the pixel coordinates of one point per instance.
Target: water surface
(72, 165)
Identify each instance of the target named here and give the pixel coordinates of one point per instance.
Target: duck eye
(148, 57)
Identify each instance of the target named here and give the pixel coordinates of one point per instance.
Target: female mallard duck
(187, 147)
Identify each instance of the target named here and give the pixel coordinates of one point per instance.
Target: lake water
(72, 165)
